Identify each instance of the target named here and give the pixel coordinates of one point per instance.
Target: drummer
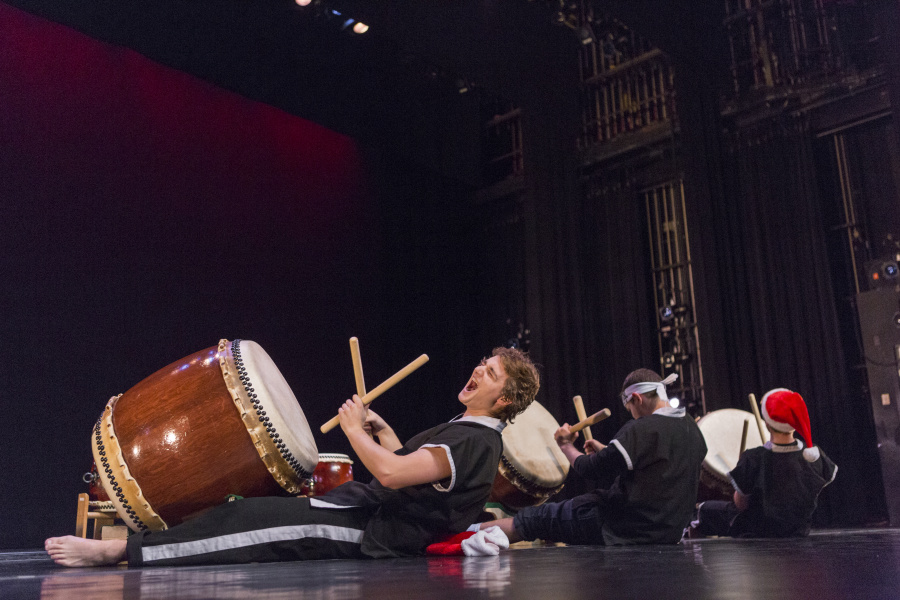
(422, 492)
(776, 486)
(656, 463)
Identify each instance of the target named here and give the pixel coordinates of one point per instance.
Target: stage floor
(854, 564)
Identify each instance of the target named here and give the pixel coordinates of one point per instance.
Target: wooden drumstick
(759, 421)
(744, 437)
(579, 411)
(592, 420)
(357, 367)
(385, 386)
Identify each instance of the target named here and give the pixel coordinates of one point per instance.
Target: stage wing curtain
(783, 328)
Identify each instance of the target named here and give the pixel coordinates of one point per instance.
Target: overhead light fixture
(586, 35)
(303, 2)
(360, 28)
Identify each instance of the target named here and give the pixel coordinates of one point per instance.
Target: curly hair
(522, 381)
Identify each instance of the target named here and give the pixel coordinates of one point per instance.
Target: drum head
(722, 431)
(529, 447)
(281, 406)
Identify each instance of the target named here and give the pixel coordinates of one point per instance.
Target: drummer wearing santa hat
(776, 485)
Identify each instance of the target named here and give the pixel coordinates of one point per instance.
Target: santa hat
(785, 411)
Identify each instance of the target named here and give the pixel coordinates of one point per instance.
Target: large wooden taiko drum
(221, 421)
(532, 467)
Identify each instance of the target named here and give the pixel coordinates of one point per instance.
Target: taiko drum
(221, 421)
(532, 467)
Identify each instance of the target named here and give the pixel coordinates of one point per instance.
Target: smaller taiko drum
(722, 431)
(532, 467)
(333, 470)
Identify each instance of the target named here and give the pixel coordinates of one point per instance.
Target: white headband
(650, 386)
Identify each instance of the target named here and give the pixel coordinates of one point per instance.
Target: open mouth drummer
(422, 492)
(656, 459)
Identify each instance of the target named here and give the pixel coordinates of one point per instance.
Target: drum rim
(286, 468)
(115, 477)
(335, 457)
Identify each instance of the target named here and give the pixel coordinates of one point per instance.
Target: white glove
(487, 542)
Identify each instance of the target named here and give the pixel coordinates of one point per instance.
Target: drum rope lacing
(117, 489)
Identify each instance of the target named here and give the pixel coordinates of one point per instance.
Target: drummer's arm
(425, 465)
(602, 459)
(380, 429)
(741, 501)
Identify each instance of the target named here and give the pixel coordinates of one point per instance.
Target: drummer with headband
(776, 486)
(656, 462)
(422, 492)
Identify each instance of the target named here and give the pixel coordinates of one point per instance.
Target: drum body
(333, 470)
(532, 467)
(722, 431)
(218, 422)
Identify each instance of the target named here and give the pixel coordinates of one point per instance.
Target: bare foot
(70, 551)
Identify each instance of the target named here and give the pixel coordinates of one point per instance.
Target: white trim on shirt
(621, 449)
(437, 484)
(491, 422)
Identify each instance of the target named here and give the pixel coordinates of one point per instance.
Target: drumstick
(385, 386)
(759, 421)
(357, 367)
(579, 412)
(744, 437)
(592, 420)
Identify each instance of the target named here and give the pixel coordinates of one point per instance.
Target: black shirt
(658, 459)
(783, 489)
(405, 521)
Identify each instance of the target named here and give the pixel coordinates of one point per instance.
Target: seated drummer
(423, 492)
(656, 463)
(776, 486)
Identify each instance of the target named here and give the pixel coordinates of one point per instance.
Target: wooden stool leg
(99, 523)
(81, 517)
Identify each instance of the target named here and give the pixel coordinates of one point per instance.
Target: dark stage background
(147, 214)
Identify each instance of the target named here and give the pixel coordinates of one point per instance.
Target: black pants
(715, 517)
(254, 530)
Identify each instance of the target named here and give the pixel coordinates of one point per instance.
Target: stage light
(586, 35)
(882, 272)
(360, 28)
(674, 402)
(303, 2)
(670, 359)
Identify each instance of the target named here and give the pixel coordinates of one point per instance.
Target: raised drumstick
(385, 386)
(592, 420)
(759, 421)
(357, 367)
(579, 411)
(744, 437)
